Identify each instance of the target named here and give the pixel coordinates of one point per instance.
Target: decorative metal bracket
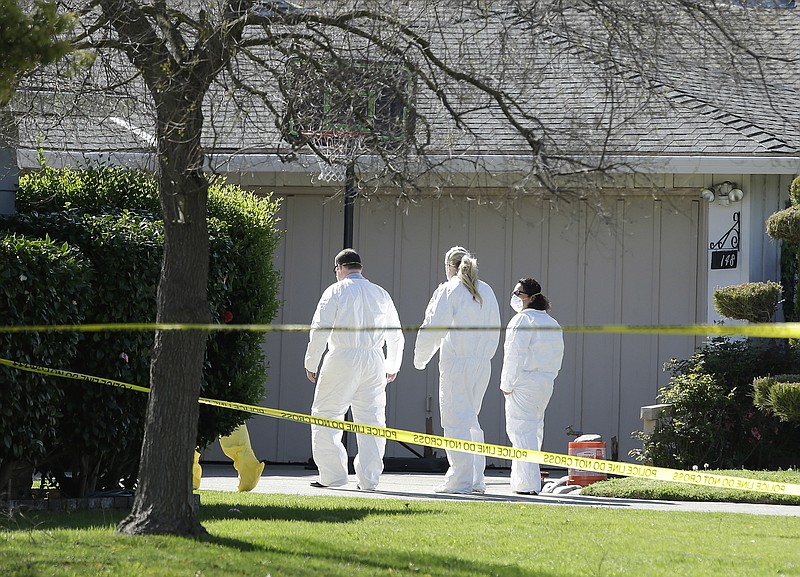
(730, 239)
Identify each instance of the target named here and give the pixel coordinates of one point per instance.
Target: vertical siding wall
(635, 262)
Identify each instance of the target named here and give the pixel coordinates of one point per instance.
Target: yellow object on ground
(237, 447)
(197, 471)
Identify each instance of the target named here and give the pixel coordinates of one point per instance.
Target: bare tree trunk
(164, 499)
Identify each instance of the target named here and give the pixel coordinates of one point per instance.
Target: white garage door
(633, 262)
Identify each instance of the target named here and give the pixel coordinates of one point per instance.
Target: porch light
(727, 192)
(708, 195)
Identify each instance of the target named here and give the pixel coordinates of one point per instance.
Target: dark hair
(348, 258)
(531, 287)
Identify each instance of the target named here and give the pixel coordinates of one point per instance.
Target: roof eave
(260, 163)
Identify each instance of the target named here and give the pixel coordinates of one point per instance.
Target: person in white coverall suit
(354, 373)
(464, 361)
(531, 361)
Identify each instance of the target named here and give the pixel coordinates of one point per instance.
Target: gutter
(261, 163)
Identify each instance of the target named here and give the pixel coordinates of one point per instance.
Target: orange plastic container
(589, 450)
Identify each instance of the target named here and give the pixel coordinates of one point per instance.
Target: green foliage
(96, 189)
(789, 280)
(253, 230)
(30, 271)
(28, 39)
(752, 301)
(794, 191)
(761, 386)
(785, 224)
(251, 284)
(713, 419)
(102, 427)
(784, 398)
(780, 395)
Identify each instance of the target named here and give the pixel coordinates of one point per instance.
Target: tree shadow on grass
(301, 556)
(299, 512)
(350, 557)
(34, 520)
(316, 513)
(354, 553)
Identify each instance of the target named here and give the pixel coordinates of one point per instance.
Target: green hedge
(94, 189)
(251, 285)
(102, 426)
(30, 271)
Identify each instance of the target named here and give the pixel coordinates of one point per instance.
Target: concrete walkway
(296, 480)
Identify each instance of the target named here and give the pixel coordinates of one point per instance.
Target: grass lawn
(280, 535)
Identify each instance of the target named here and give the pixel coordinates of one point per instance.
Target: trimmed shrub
(794, 191)
(754, 302)
(784, 399)
(785, 224)
(713, 419)
(30, 269)
(779, 395)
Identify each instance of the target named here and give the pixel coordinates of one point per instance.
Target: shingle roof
(680, 109)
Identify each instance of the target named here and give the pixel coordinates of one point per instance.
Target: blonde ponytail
(467, 270)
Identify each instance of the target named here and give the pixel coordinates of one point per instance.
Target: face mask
(516, 303)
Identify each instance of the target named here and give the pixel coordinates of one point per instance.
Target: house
(701, 159)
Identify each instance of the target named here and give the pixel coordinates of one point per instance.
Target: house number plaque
(721, 259)
(725, 252)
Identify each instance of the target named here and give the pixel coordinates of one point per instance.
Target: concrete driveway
(296, 480)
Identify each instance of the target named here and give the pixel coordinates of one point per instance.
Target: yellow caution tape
(599, 466)
(761, 330)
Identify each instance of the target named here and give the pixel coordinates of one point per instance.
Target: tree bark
(164, 499)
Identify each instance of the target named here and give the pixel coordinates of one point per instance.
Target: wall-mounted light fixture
(735, 194)
(726, 192)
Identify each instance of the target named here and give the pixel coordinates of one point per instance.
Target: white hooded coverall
(531, 361)
(353, 374)
(464, 370)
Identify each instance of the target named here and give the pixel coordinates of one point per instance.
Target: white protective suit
(353, 374)
(531, 361)
(464, 371)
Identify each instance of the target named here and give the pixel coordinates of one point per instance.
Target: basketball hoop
(340, 147)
